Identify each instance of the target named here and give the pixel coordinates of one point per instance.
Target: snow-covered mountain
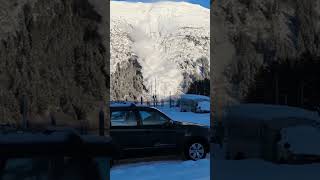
(161, 46)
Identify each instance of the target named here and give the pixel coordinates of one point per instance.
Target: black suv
(140, 131)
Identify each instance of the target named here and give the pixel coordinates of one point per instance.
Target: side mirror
(169, 123)
(287, 145)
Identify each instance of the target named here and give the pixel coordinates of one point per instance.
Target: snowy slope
(170, 40)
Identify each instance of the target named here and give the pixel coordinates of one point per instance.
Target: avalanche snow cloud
(167, 39)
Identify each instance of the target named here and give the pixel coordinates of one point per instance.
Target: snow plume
(161, 75)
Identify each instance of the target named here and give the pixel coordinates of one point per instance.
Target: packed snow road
(223, 169)
(186, 170)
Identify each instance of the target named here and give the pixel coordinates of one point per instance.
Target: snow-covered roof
(195, 97)
(269, 112)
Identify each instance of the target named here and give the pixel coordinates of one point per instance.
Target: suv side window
(152, 118)
(123, 118)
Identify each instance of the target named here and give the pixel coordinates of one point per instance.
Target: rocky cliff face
(127, 80)
(251, 33)
(53, 52)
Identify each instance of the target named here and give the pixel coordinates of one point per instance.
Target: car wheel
(3, 163)
(112, 162)
(195, 151)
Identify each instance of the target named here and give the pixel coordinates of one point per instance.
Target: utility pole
(276, 88)
(196, 87)
(170, 99)
(156, 100)
(101, 120)
(301, 94)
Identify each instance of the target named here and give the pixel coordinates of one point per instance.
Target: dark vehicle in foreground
(54, 155)
(140, 131)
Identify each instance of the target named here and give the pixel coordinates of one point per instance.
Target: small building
(194, 103)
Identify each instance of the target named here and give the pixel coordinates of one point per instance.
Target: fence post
(53, 119)
(103, 162)
(23, 109)
(101, 121)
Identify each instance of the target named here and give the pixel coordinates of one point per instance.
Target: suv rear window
(123, 118)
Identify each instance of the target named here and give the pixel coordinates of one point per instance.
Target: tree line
(293, 82)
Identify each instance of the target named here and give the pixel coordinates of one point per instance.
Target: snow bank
(303, 139)
(195, 97)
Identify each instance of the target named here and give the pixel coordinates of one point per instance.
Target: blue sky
(204, 3)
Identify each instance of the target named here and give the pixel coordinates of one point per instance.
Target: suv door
(124, 131)
(163, 136)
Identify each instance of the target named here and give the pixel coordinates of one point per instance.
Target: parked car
(140, 131)
(255, 131)
(194, 103)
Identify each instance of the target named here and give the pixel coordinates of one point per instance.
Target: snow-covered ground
(222, 169)
(169, 170)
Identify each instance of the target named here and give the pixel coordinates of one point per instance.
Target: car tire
(3, 163)
(111, 163)
(195, 150)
